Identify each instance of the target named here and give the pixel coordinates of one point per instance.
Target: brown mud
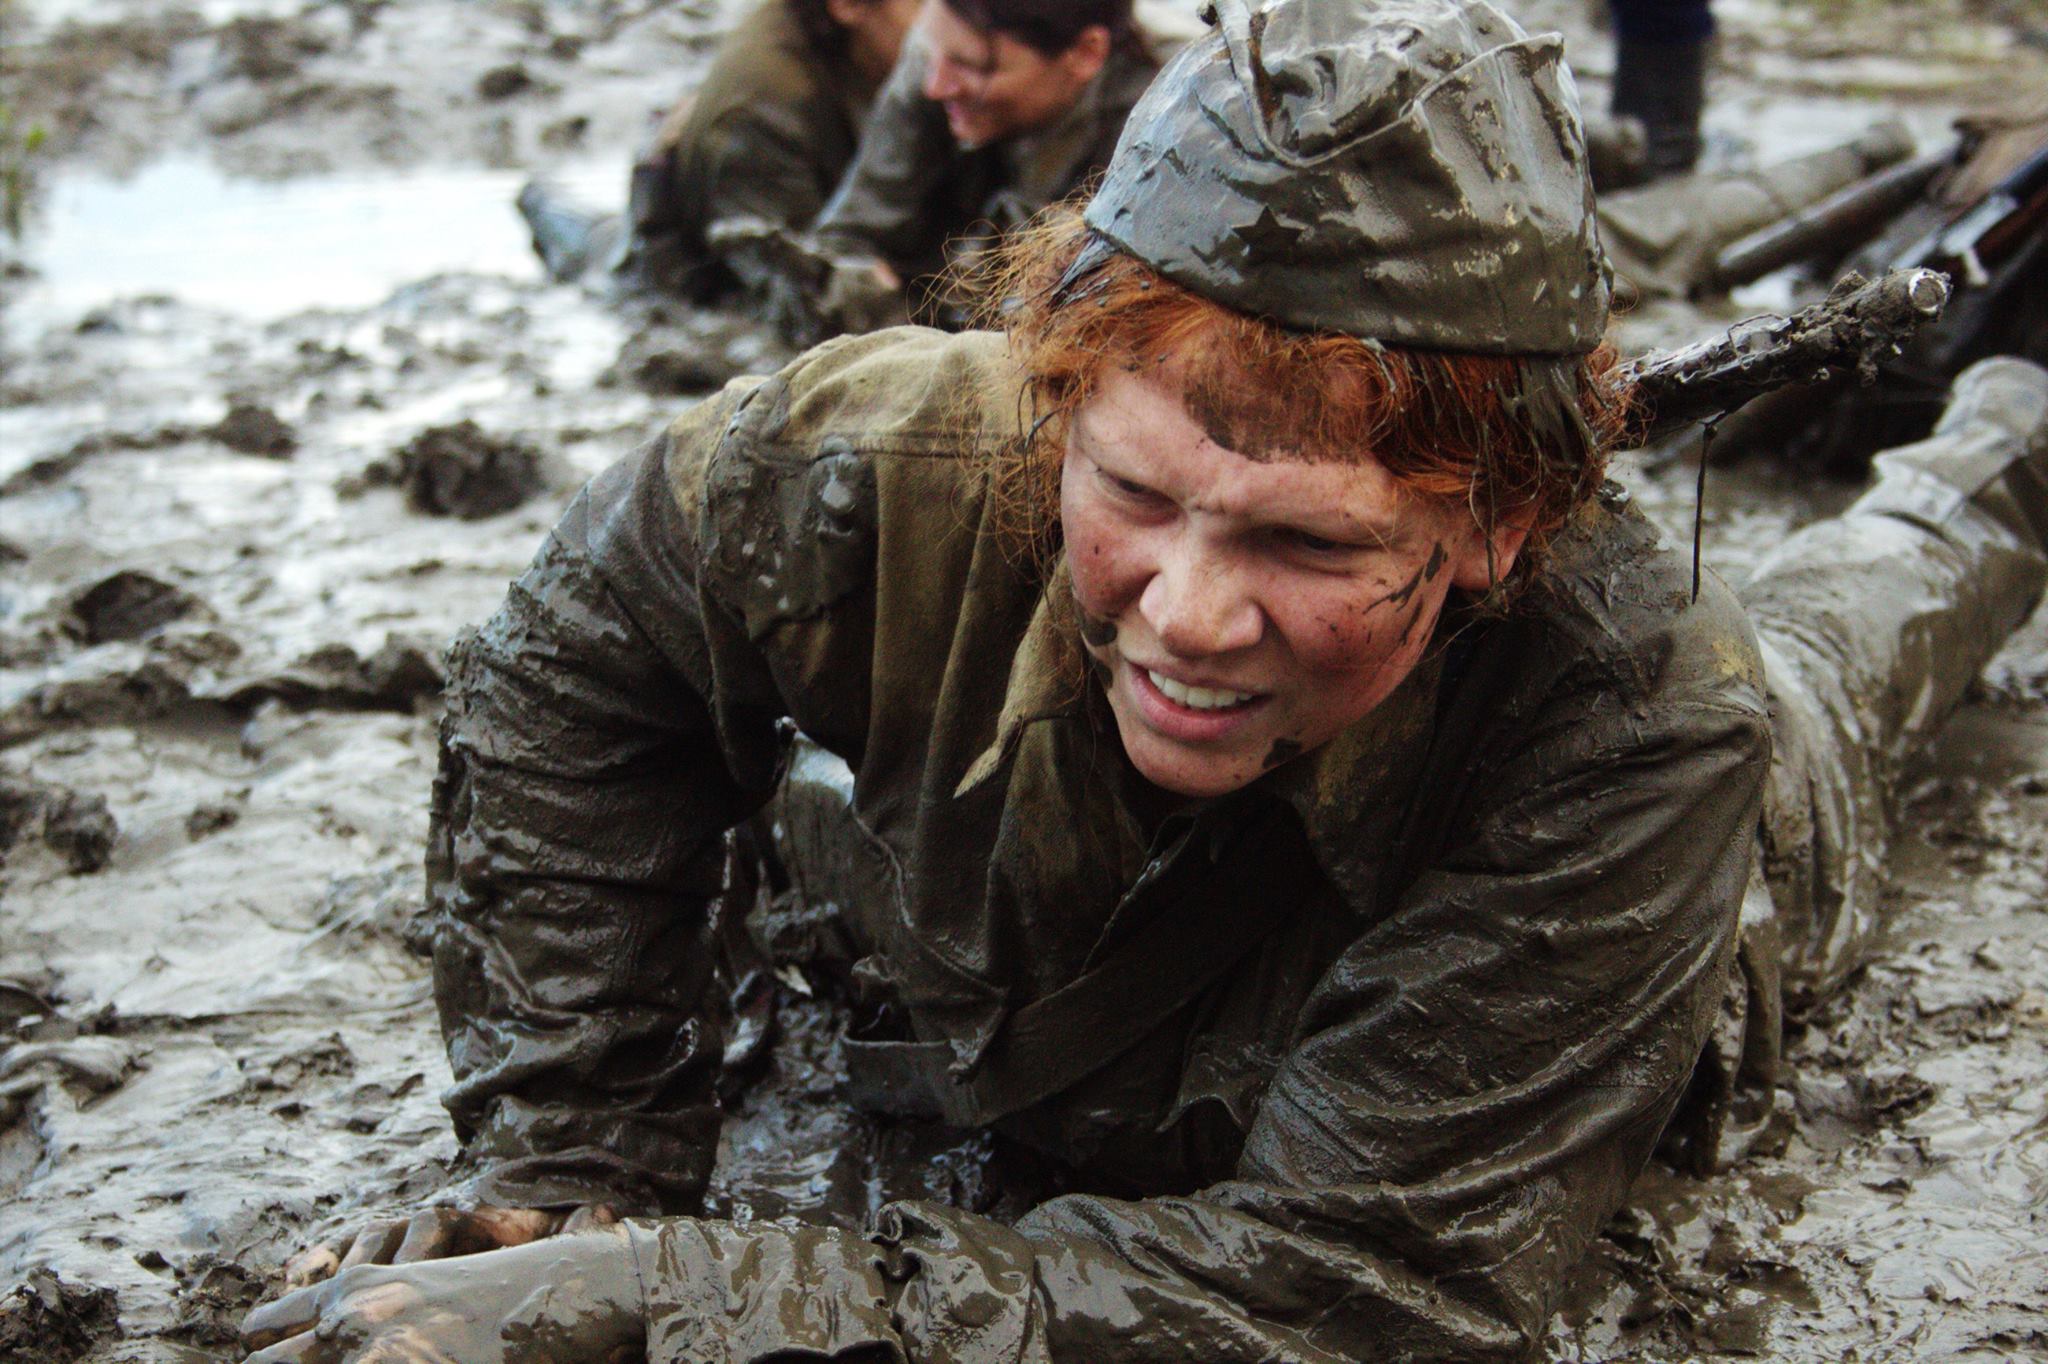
(272, 252)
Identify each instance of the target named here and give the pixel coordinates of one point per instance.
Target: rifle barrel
(1857, 324)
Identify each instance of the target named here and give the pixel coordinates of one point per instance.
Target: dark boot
(570, 240)
(1662, 85)
(1616, 150)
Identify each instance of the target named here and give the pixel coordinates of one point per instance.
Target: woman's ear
(1476, 571)
(1087, 54)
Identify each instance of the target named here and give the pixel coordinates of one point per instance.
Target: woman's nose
(1197, 605)
(941, 80)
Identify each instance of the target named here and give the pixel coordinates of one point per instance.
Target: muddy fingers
(330, 1321)
(434, 1235)
(312, 1265)
(492, 1228)
(375, 1243)
(560, 1300)
(299, 1349)
(290, 1315)
(439, 1233)
(407, 1345)
(328, 1308)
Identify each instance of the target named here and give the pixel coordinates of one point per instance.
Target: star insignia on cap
(1267, 235)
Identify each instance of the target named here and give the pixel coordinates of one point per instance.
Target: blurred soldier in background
(766, 137)
(1002, 108)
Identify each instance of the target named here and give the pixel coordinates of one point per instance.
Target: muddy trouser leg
(1873, 625)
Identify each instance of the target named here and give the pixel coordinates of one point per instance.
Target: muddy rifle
(1990, 230)
(1833, 227)
(1991, 240)
(1858, 324)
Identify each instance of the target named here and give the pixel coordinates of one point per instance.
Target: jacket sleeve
(593, 754)
(1472, 1087)
(758, 163)
(883, 202)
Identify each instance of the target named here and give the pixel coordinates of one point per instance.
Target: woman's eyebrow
(1383, 534)
(1079, 438)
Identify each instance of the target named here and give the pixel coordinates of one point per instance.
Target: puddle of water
(266, 249)
(51, 12)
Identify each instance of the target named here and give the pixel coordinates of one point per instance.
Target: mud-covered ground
(283, 404)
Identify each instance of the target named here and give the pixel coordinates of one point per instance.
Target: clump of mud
(262, 48)
(394, 677)
(503, 82)
(78, 828)
(248, 428)
(462, 471)
(213, 1296)
(48, 1321)
(129, 604)
(690, 353)
(253, 429)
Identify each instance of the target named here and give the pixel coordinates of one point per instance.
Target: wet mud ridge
(235, 538)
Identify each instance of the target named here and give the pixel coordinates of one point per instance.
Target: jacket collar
(1038, 687)
(1352, 793)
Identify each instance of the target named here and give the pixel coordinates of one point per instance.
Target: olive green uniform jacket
(1497, 914)
(914, 197)
(767, 136)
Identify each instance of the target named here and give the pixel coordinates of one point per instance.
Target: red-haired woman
(1300, 802)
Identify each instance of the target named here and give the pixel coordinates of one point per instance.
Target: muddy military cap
(1406, 171)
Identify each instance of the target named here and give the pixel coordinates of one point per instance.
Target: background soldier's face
(1244, 610)
(992, 86)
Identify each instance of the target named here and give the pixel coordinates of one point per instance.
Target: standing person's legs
(1660, 76)
(1873, 624)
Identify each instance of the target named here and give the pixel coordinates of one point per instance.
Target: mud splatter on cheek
(1097, 632)
(1283, 750)
(1406, 591)
(1408, 627)
(1437, 559)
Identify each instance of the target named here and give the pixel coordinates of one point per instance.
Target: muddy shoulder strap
(1059, 1040)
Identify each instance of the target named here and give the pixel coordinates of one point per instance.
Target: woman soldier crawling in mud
(1313, 811)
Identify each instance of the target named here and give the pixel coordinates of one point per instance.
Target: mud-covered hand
(437, 1234)
(573, 1299)
(804, 291)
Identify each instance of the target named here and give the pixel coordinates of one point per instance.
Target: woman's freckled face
(1244, 608)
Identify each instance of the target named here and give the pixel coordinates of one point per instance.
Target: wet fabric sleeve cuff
(555, 1184)
(717, 1294)
(970, 1287)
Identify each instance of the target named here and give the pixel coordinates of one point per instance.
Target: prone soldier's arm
(882, 202)
(576, 855)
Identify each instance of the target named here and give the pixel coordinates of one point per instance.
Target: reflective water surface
(265, 248)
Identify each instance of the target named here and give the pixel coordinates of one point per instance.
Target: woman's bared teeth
(1198, 698)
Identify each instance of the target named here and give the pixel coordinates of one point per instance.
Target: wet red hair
(1521, 440)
